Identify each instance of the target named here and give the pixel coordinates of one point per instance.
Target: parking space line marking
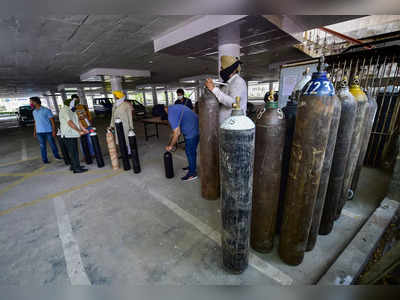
(72, 254)
(347, 213)
(18, 162)
(51, 196)
(254, 261)
(24, 153)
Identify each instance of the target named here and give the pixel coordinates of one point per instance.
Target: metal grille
(378, 70)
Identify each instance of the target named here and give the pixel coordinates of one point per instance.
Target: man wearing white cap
(236, 86)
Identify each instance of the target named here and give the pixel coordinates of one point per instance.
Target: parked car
(103, 106)
(24, 115)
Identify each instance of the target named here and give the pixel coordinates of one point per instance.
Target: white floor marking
(24, 152)
(254, 261)
(73, 260)
(347, 213)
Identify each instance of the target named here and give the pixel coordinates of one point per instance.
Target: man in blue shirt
(183, 119)
(45, 128)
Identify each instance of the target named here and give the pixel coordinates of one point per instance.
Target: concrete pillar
(63, 95)
(394, 186)
(57, 109)
(82, 96)
(154, 92)
(228, 41)
(166, 96)
(103, 85)
(116, 83)
(48, 101)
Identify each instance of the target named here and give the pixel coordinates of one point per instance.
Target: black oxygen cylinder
(168, 165)
(63, 148)
(340, 158)
(289, 112)
(85, 148)
(97, 150)
(368, 124)
(134, 152)
(237, 138)
(122, 144)
(313, 120)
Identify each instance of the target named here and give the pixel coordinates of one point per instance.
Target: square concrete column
(56, 108)
(63, 95)
(82, 96)
(144, 98)
(166, 96)
(228, 41)
(48, 101)
(116, 83)
(154, 92)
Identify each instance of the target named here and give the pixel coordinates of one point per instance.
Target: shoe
(189, 177)
(80, 168)
(185, 168)
(46, 162)
(58, 158)
(80, 171)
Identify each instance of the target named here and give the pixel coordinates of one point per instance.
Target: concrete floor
(113, 227)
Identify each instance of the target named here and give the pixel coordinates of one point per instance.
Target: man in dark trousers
(71, 130)
(182, 99)
(182, 119)
(45, 128)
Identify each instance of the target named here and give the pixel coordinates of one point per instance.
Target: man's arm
(174, 140)
(73, 126)
(53, 125)
(34, 129)
(190, 104)
(222, 98)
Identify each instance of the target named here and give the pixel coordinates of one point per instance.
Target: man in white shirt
(236, 86)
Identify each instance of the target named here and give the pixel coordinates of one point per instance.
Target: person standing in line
(44, 128)
(71, 130)
(182, 119)
(85, 119)
(182, 99)
(235, 86)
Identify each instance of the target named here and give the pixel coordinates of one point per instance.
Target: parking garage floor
(116, 227)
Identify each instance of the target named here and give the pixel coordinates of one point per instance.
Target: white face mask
(180, 97)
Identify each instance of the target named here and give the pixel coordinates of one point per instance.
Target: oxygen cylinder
(112, 149)
(313, 120)
(97, 149)
(209, 151)
(64, 150)
(269, 143)
(168, 165)
(290, 115)
(340, 157)
(134, 151)
(324, 180)
(236, 147)
(122, 144)
(85, 149)
(356, 141)
(368, 124)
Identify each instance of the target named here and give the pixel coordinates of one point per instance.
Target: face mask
(225, 73)
(32, 106)
(180, 97)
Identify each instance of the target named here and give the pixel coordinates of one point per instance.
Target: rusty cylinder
(314, 115)
(112, 149)
(369, 122)
(209, 143)
(236, 146)
(340, 157)
(270, 139)
(326, 170)
(356, 142)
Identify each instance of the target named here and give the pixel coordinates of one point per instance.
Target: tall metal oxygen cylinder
(313, 120)
(122, 144)
(290, 115)
(63, 148)
(368, 124)
(134, 151)
(97, 149)
(269, 143)
(340, 158)
(356, 141)
(85, 148)
(168, 165)
(236, 146)
(209, 145)
(324, 180)
(112, 149)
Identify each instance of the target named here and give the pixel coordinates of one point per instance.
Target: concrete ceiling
(39, 53)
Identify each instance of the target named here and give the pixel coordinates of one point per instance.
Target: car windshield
(25, 108)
